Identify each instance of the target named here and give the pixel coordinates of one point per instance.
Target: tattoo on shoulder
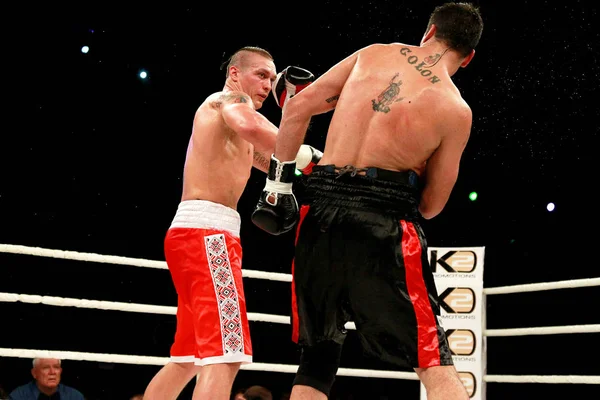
(235, 97)
(388, 96)
(332, 98)
(229, 98)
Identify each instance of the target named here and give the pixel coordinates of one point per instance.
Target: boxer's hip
(203, 214)
(392, 193)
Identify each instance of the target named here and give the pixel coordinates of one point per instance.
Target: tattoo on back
(433, 59)
(423, 66)
(332, 98)
(388, 96)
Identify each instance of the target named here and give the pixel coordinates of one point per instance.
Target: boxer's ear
(429, 34)
(467, 59)
(234, 73)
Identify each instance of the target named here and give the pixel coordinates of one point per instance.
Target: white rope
(145, 308)
(77, 256)
(259, 317)
(79, 356)
(534, 287)
(576, 379)
(134, 262)
(145, 360)
(82, 303)
(130, 307)
(286, 368)
(274, 276)
(546, 330)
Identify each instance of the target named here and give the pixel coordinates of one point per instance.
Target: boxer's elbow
(428, 212)
(299, 107)
(247, 128)
(244, 121)
(431, 205)
(251, 130)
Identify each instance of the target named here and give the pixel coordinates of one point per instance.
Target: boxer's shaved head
(240, 57)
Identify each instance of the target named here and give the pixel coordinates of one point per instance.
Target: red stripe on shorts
(427, 339)
(295, 325)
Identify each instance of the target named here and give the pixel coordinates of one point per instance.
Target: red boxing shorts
(204, 255)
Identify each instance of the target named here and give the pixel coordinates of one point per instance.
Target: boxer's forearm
(293, 127)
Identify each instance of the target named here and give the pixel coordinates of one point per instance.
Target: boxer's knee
(442, 382)
(319, 365)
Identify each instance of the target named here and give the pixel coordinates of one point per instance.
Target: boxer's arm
(240, 115)
(320, 97)
(262, 159)
(442, 167)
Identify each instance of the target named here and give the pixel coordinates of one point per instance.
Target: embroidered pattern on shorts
(225, 290)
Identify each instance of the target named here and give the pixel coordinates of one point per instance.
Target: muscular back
(218, 160)
(392, 110)
(396, 108)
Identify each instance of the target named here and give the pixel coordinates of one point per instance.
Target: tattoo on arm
(388, 96)
(332, 98)
(261, 160)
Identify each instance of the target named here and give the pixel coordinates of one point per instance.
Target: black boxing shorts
(361, 256)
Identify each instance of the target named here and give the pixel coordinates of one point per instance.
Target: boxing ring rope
(259, 317)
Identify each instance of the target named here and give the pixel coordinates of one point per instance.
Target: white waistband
(203, 214)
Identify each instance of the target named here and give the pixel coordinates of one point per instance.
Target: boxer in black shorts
(361, 256)
(400, 127)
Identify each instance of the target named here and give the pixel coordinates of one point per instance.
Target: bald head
(37, 361)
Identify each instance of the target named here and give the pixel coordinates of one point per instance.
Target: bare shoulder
(394, 46)
(458, 107)
(234, 97)
(455, 115)
(219, 99)
(376, 48)
(449, 111)
(446, 99)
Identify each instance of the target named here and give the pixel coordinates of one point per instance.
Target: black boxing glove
(277, 209)
(307, 158)
(290, 82)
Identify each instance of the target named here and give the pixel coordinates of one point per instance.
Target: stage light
(473, 196)
(143, 74)
(85, 49)
(550, 207)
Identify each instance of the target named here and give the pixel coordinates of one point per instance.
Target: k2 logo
(469, 382)
(457, 261)
(459, 300)
(461, 341)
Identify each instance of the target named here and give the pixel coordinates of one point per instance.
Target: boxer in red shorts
(202, 245)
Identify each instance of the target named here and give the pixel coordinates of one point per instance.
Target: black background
(92, 158)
